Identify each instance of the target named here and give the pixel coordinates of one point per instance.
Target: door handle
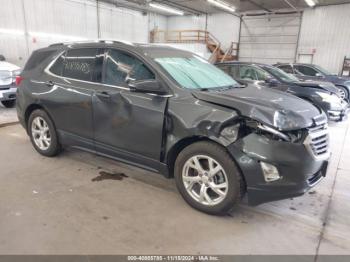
(49, 83)
(103, 94)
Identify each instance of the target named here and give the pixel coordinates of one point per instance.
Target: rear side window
(286, 68)
(232, 70)
(305, 70)
(79, 64)
(121, 67)
(37, 57)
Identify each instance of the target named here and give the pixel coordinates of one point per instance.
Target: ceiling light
(223, 5)
(310, 2)
(166, 9)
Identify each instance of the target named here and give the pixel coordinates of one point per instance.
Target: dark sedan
(322, 94)
(314, 72)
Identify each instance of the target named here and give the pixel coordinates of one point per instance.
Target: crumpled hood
(269, 106)
(327, 86)
(340, 80)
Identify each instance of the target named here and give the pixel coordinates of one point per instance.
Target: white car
(8, 73)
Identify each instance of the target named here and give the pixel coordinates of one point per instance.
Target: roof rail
(107, 41)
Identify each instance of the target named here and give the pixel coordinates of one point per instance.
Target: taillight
(18, 80)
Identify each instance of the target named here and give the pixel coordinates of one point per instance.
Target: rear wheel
(43, 133)
(9, 103)
(207, 178)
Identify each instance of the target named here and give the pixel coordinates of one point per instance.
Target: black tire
(235, 188)
(54, 148)
(9, 103)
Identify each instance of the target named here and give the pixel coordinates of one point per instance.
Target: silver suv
(8, 73)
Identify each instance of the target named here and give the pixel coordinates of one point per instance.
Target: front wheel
(208, 179)
(343, 92)
(8, 103)
(43, 133)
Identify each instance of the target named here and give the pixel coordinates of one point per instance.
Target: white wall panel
(269, 39)
(225, 27)
(327, 31)
(52, 21)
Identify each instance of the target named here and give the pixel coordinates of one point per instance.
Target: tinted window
(37, 57)
(286, 68)
(57, 67)
(121, 67)
(305, 70)
(232, 70)
(247, 73)
(79, 64)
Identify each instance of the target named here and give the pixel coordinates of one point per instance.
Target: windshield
(281, 75)
(322, 70)
(195, 73)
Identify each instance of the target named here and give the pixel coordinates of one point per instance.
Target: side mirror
(319, 75)
(272, 81)
(147, 86)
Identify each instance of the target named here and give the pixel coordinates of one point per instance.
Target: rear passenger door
(128, 125)
(73, 78)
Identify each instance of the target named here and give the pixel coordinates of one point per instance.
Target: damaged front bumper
(299, 166)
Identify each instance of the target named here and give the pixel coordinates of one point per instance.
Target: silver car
(8, 73)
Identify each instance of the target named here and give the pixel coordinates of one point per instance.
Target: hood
(326, 86)
(8, 66)
(268, 106)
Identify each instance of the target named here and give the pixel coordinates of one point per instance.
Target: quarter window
(79, 64)
(122, 67)
(57, 67)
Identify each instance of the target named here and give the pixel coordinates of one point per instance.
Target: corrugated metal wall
(325, 32)
(269, 38)
(48, 21)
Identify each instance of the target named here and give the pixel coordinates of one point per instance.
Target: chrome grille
(317, 141)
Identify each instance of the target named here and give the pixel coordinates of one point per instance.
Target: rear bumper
(8, 94)
(298, 169)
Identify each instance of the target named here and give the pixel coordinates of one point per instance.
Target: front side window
(306, 70)
(79, 64)
(122, 67)
(194, 72)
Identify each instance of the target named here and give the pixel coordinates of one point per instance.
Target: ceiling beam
(259, 6)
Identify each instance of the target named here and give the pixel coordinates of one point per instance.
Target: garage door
(269, 38)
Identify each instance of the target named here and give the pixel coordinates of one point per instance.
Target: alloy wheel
(205, 180)
(342, 93)
(41, 133)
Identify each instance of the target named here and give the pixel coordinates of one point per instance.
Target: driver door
(127, 125)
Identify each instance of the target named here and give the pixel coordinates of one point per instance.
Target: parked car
(172, 112)
(8, 73)
(323, 95)
(314, 72)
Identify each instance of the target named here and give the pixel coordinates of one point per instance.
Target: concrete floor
(56, 206)
(7, 115)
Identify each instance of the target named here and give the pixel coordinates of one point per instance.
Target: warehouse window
(122, 67)
(79, 64)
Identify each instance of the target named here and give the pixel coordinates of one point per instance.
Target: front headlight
(329, 98)
(274, 134)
